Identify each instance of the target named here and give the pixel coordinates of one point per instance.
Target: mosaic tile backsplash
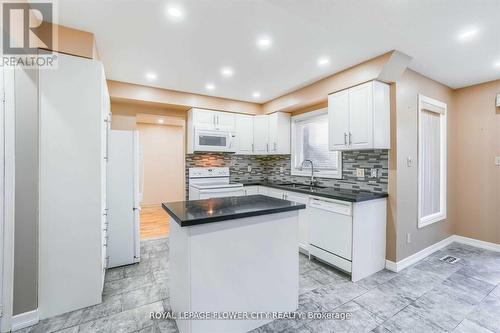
(267, 167)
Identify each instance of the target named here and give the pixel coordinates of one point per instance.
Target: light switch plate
(374, 173)
(360, 173)
(497, 160)
(249, 168)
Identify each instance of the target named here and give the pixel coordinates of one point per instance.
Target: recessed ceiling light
(175, 12)
(264, 42)
(161, 121)
(227, 71)
(151, 76)
(210, 86)
(323, 61)
(256, 94)
(468, 34)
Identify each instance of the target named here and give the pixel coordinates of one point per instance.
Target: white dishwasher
(330, 231)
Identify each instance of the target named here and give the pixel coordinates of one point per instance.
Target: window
(310, 142)
(431, 161)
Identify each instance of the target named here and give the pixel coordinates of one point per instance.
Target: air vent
(450, 259)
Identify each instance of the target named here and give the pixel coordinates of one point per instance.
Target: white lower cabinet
(251, 190)
(349, 236)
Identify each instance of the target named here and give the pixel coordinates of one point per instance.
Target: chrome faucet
(312, 181)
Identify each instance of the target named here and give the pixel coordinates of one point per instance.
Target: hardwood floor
(154, 222)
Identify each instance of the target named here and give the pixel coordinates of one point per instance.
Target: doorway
(161, 142)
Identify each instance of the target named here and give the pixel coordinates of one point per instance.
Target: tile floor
(430, 296)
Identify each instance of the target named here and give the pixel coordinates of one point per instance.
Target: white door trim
(25, 319)
(7, 150)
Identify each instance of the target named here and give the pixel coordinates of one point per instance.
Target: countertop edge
(323, 195)
(235, 216)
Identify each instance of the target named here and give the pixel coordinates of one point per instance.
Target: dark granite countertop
(325, 192)
(193, 212)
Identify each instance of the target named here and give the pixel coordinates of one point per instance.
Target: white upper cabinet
(261, 134)
(244, 134)
(279, 133)
(359, 117)
(213, 119)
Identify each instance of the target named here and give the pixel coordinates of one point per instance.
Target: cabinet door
(203, 117)
(251, 190)
(279, 133)
(260, 135)
(244, 134)
(224, 119)
(278, 194)
(303, 227)
(361, 116)
(338, 118)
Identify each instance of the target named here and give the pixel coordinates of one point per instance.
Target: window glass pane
(311, 143)
(430, 164)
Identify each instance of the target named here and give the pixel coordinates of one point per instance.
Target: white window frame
(433, 105)
(306, 170)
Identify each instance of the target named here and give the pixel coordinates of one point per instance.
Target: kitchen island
(229, 255)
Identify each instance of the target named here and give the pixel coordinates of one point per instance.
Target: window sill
(428, 220)
(331, 175)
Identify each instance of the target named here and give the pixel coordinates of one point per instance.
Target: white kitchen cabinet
(244, 134)
(279, 133)
(303, 219)
(359, 117)
(211, 119)
(275, 193)
(261, 134)
(74, 109)
(251, 190)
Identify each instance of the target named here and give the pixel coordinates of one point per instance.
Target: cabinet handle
(275, 146)
(267, 147)
(345, 138)
(350, 139)
(252, 148)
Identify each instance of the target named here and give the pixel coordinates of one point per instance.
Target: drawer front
(330, 231)
(341, 263)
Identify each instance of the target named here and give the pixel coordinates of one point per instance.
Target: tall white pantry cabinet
(74, 111)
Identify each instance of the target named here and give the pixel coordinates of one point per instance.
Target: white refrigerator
(123, 196)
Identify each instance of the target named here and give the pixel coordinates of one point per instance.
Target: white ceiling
(134, 37)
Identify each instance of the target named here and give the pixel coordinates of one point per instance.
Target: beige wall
(162, 148)
(125, 114)
(408, 87)
(475, 144)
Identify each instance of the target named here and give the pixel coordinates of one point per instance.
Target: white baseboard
(477, 243)
(25, 319)
(408, 261)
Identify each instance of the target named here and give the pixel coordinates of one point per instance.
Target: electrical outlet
(497, 160)
(282, 169)
(408, 238)
(360, 173)
(249, 168)
(374, 173)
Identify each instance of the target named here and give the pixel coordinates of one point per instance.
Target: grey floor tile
(486, 267)
(141, 268)
(167, 326)
(471, 289)
(487, 313)
(149, 294)
(496, 291)
(376, 279)
(438, 267)
(467, 326)
(57, 323)
(123, 322)
(128, 284)
(383, 301)
(114, 274)
(361, 321)
(73, 329)
(307, 282)
(305, 264)
(413, 283)
(109, 306)
(334, 295)
(408, 320)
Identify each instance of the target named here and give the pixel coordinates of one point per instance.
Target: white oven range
(206, 183)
